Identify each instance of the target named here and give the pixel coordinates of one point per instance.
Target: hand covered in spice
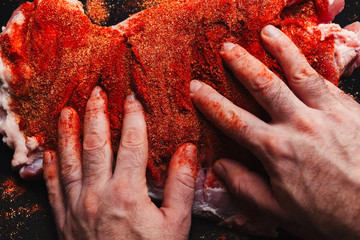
(90, 200)
(310, 149)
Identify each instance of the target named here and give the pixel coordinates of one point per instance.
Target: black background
(24, 209)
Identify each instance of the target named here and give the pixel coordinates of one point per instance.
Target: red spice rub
(64, 56)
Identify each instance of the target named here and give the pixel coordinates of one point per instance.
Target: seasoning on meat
(53, 56)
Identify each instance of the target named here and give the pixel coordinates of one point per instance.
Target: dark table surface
(24, 209)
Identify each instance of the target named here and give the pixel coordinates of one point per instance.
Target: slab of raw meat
(52, 56)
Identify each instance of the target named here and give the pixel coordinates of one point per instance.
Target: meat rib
(52, 56)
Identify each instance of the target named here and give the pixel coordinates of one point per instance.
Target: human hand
(90, 200)
(310, 149)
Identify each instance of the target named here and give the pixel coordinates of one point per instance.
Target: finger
(246, 184)
(52, 180)
(237, 123)
(345, 99)
(97, 152)
(269, 90)
(180, 184)
(306, 83)
(133, 151)
(70, 153)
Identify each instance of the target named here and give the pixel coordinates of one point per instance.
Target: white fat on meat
(346, 45)
(28, 151)
(9, 123)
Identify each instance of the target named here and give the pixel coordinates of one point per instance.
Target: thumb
(180, 184)
(246, 184)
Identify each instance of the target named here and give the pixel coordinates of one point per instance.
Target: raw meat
(52, 56)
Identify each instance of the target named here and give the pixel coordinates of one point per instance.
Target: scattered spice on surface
(97, 11)
(25, 212)
(10, 190)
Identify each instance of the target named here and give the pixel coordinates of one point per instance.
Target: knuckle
(306, 70)
(70, 185)
(124, 195)
(90, 205)
(187, 180)
(308, 123)
(230, 119)
(70, 175)
(276, 146)
(133, 138)
(94, 141)
(303, 74)
(264, 83)
(69, 170)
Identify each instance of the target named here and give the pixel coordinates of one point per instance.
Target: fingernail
(227, 47)
(67, 114)
(271, 31)
(96, 92)
(194, 86)
(219, 170)
(131, 97)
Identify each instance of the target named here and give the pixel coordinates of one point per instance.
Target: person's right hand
(310, 149)
(94, 198)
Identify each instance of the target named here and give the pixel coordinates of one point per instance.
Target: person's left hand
(91, 201)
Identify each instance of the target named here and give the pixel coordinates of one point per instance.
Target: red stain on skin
(69, 123)
(186, 156)
(50, 166)
(69, 120)
(250, 72)
(97, 104)
(226, 117)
